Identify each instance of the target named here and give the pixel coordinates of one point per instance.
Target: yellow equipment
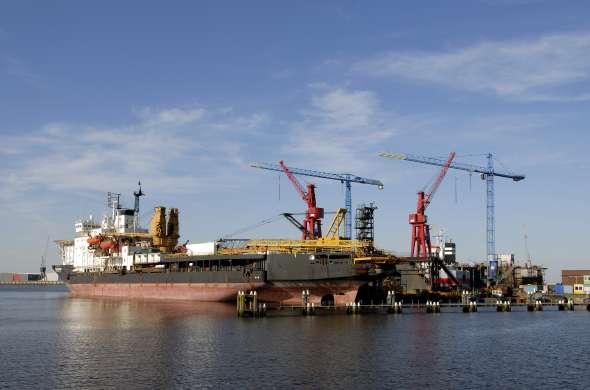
(165, 236)
(334, 229)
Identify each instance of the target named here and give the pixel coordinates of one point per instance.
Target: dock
(285, 310)
(248, 306)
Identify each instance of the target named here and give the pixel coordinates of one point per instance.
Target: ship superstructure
(114, 243)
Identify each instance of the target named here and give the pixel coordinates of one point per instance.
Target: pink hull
(281, 292)
(204, 292)
(289, 293)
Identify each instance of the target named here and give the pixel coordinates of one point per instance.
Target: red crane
(312, 223)
(420, 245)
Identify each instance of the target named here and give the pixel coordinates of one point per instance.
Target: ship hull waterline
(288, 293)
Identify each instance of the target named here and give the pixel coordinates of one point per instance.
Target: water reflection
(102, 311)
(60, 342)
(138, 342)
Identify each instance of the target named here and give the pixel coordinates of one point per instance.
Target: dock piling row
(565, 305)
(308, 308)
(248, 306)
(503, 305)
(353, 308)
(393, 306)
(469, 305)
(432, 307)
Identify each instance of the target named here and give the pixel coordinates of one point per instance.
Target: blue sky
(183, 95)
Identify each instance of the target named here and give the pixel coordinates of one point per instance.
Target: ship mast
(113, 202)
(137, 194)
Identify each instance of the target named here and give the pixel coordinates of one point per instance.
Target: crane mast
(420, 244)
(487, 173)
(346, 178)
(312, 223)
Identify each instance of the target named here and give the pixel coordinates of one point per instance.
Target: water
(48, 340)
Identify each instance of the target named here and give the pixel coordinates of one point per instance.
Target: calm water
(48, 340)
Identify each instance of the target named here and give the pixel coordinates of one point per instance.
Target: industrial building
(22, 277)
(570, 277)
(576, 280)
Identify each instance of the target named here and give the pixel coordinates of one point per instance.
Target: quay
(357, 308)
(248, 306)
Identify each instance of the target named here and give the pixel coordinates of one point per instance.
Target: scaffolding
(365, 222)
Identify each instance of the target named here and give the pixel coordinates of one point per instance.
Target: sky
(184, 95)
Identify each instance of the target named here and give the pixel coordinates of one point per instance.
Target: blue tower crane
(345, 178)
(487, 174)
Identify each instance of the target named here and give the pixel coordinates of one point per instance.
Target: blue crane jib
(488, 174)
(461, 166)
(345, 178)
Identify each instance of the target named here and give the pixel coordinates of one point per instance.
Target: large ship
(116, 257)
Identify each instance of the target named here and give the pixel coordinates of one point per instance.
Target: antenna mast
(113, 202)
(526, 248)
(137, 194)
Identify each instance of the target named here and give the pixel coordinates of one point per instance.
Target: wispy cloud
(163, 148)
(242, 124)
(170, 116)
(345, 109)
(522, 70)
(339, 129)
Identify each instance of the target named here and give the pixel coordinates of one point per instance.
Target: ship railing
(286, 250)
(264, 246)
(323, 243)
(379, 259)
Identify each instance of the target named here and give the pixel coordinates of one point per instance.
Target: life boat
(108, 244)
(94, 240)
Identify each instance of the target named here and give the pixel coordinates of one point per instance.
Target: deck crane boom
(312, 223)
(420, 245)
(346, 178)
(487, 173)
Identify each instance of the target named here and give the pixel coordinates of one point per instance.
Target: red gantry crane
(488, 173)
(420, 245)
(312, 223)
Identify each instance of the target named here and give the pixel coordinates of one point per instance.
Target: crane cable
(264, 222)
(253, 226)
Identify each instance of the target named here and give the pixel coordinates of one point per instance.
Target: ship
(116, 257)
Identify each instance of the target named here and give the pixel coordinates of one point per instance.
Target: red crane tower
(312, 223)
(420, 245)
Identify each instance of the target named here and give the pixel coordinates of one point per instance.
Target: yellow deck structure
(363, 251)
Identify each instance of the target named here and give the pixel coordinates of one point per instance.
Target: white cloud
(163, 149)
(89, 159)
(523, 70)
(171, 116)
(346, 109)
(339, 131)
(245, 124)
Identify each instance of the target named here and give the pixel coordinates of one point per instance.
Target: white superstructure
(117, 242)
